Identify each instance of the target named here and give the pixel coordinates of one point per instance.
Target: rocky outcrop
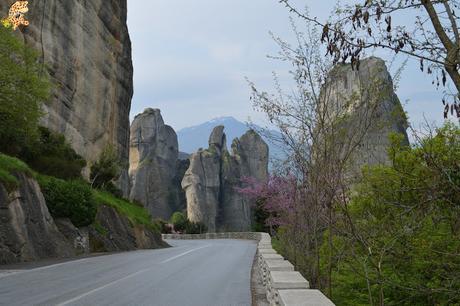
(78, 237)
(362, 110)
(27, 230)
(153, 163)
(114, 232)
(87, 50)
(213, 175)
(249, 159)
(202, 186)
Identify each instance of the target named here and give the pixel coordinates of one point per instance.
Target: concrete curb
(283, 285)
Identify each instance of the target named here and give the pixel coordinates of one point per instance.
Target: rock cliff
(250, 155)
(153, 164)
(27, 230)
(86, 48)
(114, 232)
(362, 103)
(213, 175)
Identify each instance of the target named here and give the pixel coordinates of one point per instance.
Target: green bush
(52, 155)
(24, 87)
(182, 225)
(69, 199)
(195, 228)
(398, 242)
(179, 221)
(106, 169)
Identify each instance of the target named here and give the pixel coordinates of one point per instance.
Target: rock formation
(250, 155)
(213, 175)
(116, 233)
(363, 104)
(27, 230)
(87, 49)
(153, 162)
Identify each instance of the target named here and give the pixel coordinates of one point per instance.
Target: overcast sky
(191, 59)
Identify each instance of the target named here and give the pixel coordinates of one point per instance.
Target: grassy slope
(135, 213)
(9, 165)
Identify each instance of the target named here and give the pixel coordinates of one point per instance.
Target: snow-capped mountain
(195, 137)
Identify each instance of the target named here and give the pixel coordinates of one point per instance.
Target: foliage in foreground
(69, 199)
(398, 241)
(24, 87)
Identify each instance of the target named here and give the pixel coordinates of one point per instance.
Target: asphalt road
(192, 272)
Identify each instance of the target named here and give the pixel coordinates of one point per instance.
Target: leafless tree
(321, 130)
(427, 31)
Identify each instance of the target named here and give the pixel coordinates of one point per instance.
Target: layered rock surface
(362, 102)
(213, 175)
(114, 232)
(153, 164)
(27, 230)
(86, 47)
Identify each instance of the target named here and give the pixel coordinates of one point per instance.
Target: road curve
(192, 272)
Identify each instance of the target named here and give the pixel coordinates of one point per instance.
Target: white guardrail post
(284, 285)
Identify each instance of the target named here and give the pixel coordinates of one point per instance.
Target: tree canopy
(24, 87)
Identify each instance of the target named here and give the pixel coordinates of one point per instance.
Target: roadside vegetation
(390, 234)
(181, 224)
(136, 213)
(26, 147)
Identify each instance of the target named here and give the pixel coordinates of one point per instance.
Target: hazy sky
(191, 59)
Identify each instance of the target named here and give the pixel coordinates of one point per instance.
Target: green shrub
(182, 225)
(69, 199)
(52, 155)
(106, 169)
(195, 228)
(24, 87)
(179, 221)
(398, 242)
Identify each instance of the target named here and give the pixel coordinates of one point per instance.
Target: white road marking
(45, 267)
(180, 255)
(6, 273)
(125, 278)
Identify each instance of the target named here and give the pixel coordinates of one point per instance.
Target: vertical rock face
(365, 102)
(249, 159)
(153, 162)
(213, 175)
(27, 230)
(87, 49)
(202, 181)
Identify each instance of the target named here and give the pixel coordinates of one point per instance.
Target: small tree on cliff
(428, 31)
(23, 90)
(106, 169)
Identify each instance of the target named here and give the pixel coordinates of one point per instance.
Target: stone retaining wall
(284, 286)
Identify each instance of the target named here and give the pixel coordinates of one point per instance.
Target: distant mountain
(195, 137)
